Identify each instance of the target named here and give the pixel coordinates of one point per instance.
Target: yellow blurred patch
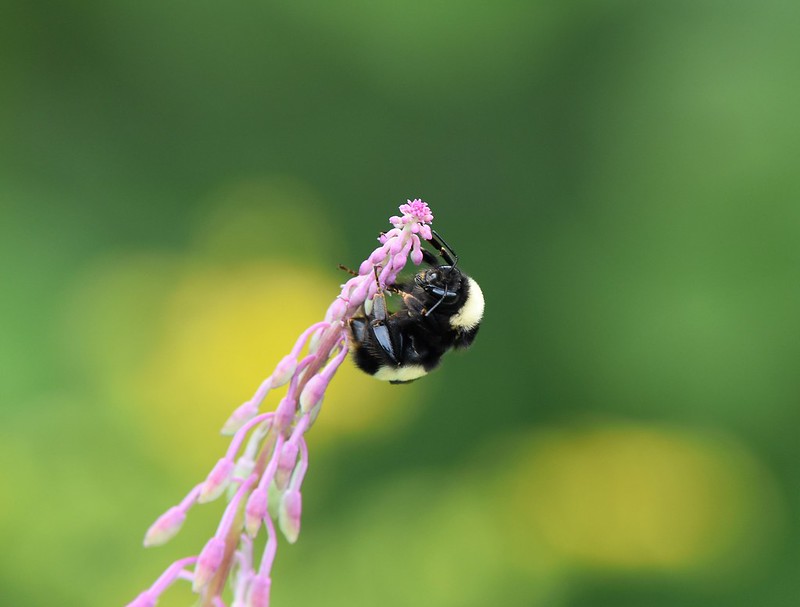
(178, 341)
(202, 344)
(636, 497)
(224, 331)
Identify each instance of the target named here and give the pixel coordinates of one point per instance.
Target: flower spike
(275, 457)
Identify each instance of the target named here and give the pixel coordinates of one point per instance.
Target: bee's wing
(384, 338)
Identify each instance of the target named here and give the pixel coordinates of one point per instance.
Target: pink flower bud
(416, 255)
(365, 268)
(384, 275)
(390, 234)
(284, 371)
(259, 591)
(378, 255)
(373, 288)
(284, 413)
(396, 245)
(425, 232)
(360, 292)
(312, 393)
(289, 511)
(243, 414)
(314, 414)
(255, 511)
(217, 481)
(208, 562)
(287, 460)
(166, 527)
(399, 262)
(337, 310)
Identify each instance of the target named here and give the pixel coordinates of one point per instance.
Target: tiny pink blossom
(365, 268)
(287, 460)
(396, 245)
(217, 480)
(416, 256)
(284, 371)
(417, 210)
(284, 413)
(259, 591)
(360, 292)
(208, 562)
(384, 277)
(383, 238)
(378, 255)
(313, 393)
(337, 310)
(241, 415)
(165, 527)
(399, 262)
(255, 510)
(289, 512)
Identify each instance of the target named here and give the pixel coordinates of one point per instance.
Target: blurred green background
(178, 182)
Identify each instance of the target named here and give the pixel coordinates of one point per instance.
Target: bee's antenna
(436, 305)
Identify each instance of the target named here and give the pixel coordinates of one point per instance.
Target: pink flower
(166, 527)
(208, 562)
(289, 512)
(255, 511)
(217, 480)
(417, 210)
(279, 435)
(259, 591)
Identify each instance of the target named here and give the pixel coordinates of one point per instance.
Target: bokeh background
(178, 182)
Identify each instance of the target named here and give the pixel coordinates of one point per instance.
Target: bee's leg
(445, 250)
(359, 328)
(379, 312)
(379, 324)
(348, 270)
(441, 248)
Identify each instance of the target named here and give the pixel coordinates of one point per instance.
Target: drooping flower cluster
(267, 458)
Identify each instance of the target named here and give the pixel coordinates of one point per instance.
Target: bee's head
(441, 283)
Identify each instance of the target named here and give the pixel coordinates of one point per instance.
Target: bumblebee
(441, 310)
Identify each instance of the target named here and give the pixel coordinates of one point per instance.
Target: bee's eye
(433, 276)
